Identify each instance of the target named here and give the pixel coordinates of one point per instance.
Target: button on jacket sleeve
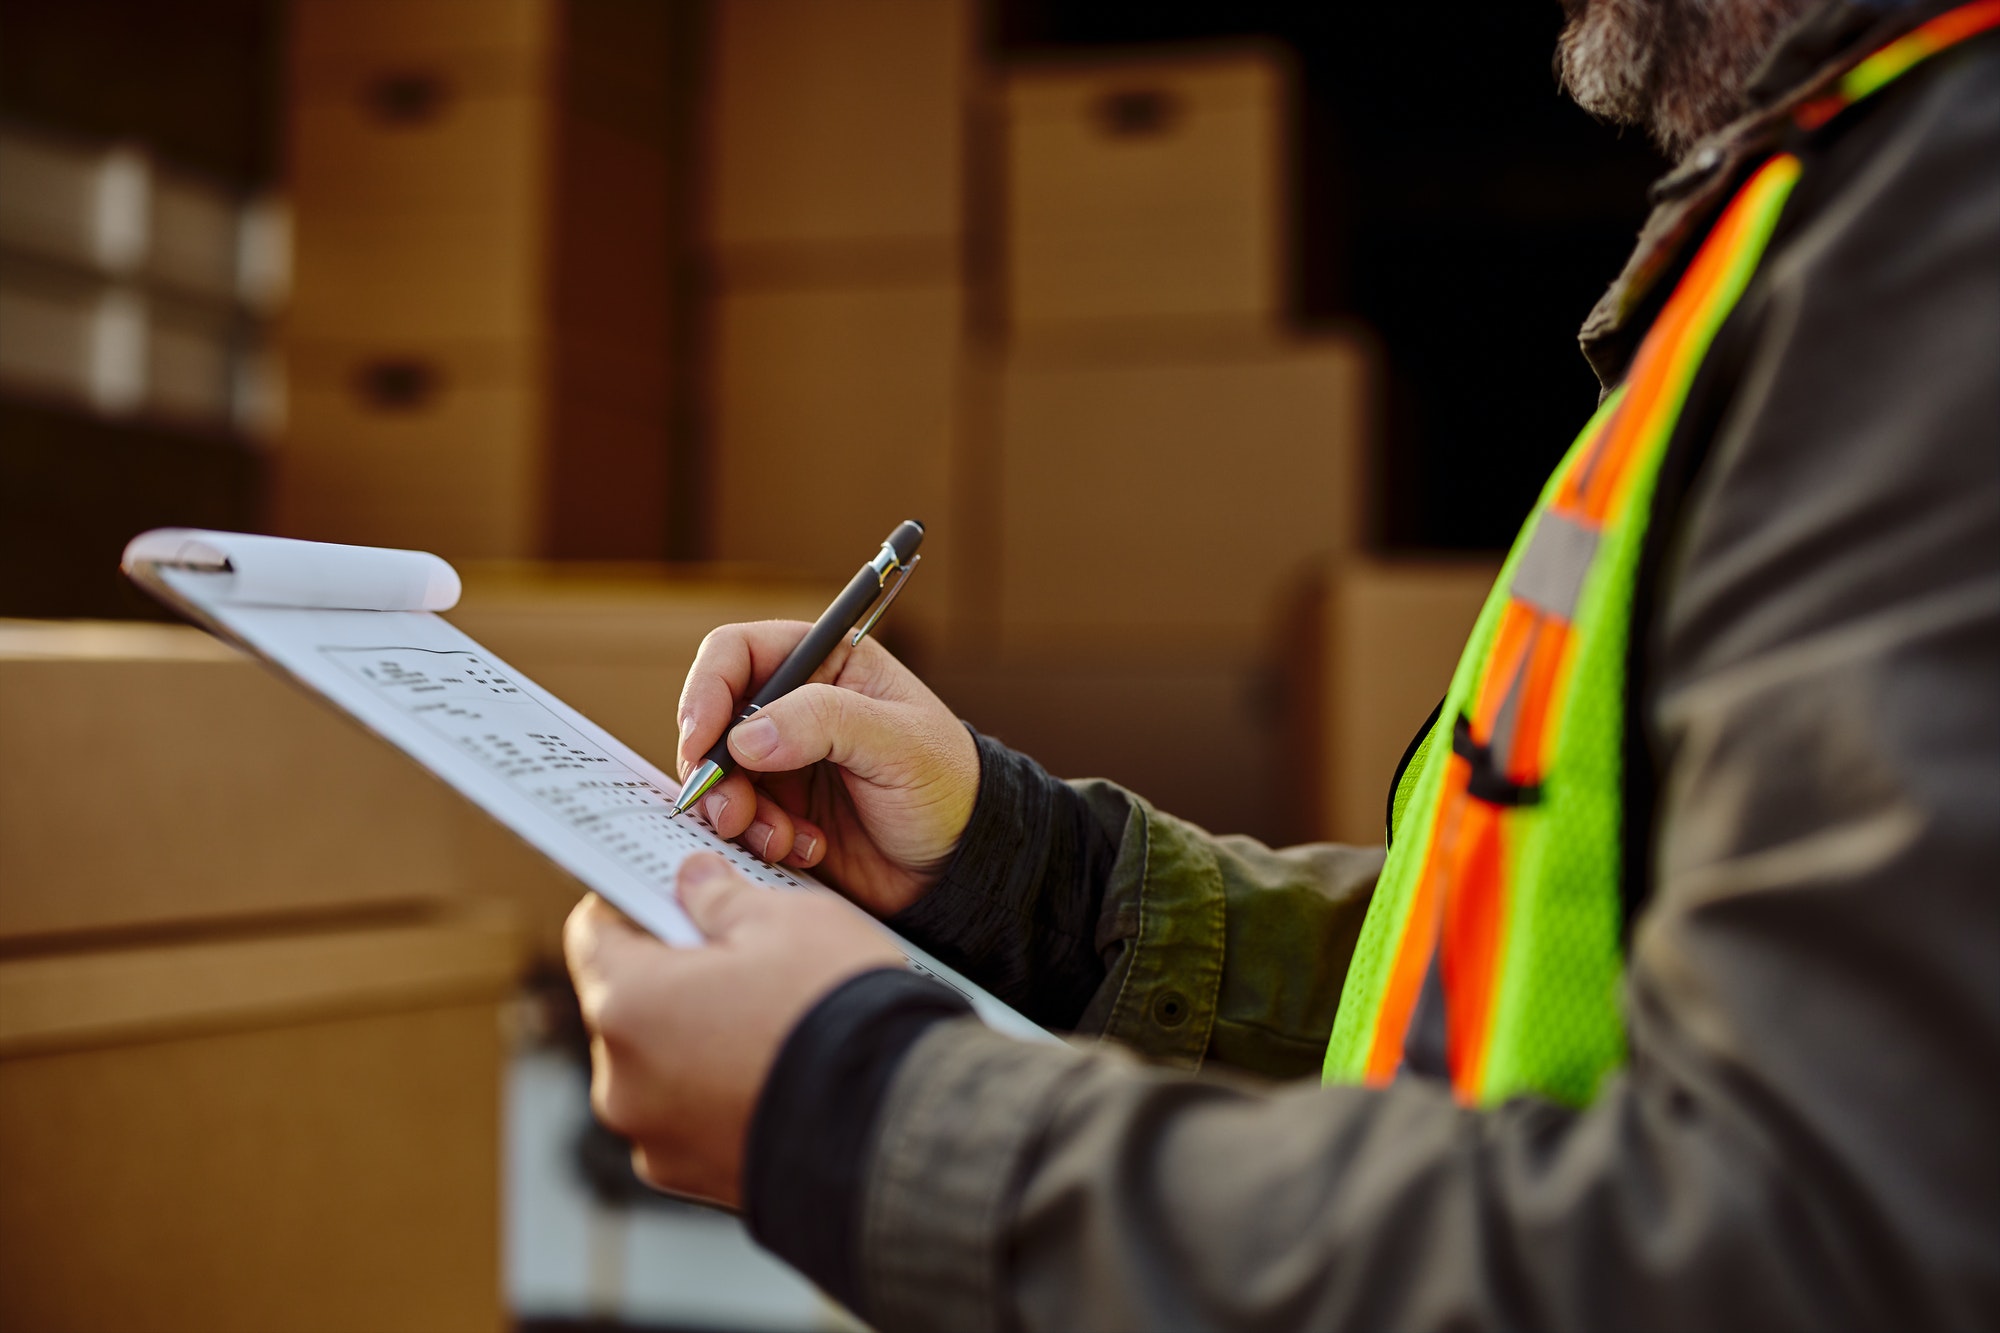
(1804, 1135)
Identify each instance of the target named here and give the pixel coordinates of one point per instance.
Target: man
(1730, 728)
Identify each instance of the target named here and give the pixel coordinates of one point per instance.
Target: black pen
(869, 587)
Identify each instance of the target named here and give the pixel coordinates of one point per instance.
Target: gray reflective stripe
(1552, 569)
(1500, 743)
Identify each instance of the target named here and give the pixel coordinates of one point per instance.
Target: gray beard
(1677, 67)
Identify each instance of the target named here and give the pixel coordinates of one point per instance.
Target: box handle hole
(407, 97)
(399, 384)
(1138, 113)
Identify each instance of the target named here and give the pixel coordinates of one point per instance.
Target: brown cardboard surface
(294, 1130)
(1194, 731)
(836, 124)
(334, 1175)
(1171, 498)
(1394, 633)
(418, 276)
(455, 467)
(475, 183)
(68, 1000)
(475, 154)
(835, 417)
(154, 777)
(418, 153)
(1174, 209)
(331, 31)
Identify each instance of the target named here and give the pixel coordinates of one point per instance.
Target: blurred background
(1221, 345)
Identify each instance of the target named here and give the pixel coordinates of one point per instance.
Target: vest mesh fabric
(1417, 802)
(1552, 1027)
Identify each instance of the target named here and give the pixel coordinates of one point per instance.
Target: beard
(1677, 67)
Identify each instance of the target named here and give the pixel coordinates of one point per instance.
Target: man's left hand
(682, 1040)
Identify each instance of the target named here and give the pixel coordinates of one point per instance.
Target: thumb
(816, 722)
(717, 899)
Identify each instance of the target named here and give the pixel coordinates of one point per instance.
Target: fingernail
(713, 807)
(802, 847)
(687, 725)
(760, 837)
(755, 738)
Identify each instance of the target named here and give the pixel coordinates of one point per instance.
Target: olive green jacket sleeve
(1220, 949)
(1094, 913)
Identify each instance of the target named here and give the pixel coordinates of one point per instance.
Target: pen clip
(888, 596)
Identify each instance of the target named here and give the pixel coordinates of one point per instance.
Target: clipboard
(358, 626)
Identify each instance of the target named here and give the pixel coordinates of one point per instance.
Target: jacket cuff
(1166, 929)
(815, 1120)
(961, 1114)
(1017, 908)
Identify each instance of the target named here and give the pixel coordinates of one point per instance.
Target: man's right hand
(863, 773)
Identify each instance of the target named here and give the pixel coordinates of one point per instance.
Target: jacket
(1802, 1136)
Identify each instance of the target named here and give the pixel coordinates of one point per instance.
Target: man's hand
(863, 773)
(681, 1040)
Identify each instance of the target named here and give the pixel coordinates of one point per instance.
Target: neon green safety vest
(1492, 954)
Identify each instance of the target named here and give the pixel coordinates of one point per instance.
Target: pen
(869, 586)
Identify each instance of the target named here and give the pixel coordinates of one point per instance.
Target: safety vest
(1492, 952)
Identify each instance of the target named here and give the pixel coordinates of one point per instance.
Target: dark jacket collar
(1817, 50)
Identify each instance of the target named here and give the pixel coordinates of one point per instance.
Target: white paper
(571, 790)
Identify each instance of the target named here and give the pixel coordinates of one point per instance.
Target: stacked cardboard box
(481, 342)
(1164, 453)
(280, 1128)
(251, 964)
(1144, 190)
(834, 233)
(249, 1055)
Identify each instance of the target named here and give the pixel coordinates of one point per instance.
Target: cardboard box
(419, 145)
(837, 124)
(296, 1131)
(436, 446)
(1169, 500)
(454, 132)
(1145, 188)
(1390, 633)
(834, 417)
(157, 779)
(1194, 731)
(418, 277)
(489, 196)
